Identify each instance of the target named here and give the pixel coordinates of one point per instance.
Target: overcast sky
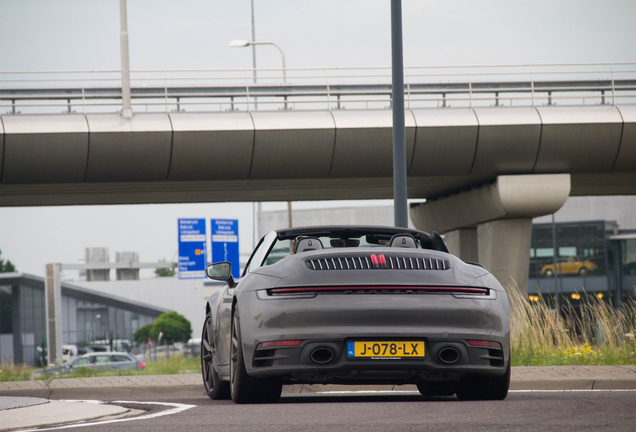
(193, 34)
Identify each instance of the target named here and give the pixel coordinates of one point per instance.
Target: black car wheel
(244, 388)
(214, 387)
(484, 388)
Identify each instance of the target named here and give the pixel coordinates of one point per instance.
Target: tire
(437, 389)
(244, 388)
(583, 271)
(214, 387)
(473, 388)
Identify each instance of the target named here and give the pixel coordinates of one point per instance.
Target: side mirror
(221, 271)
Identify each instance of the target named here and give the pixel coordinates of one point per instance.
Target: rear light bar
(483, 343)
(381, 290)
(275, 344)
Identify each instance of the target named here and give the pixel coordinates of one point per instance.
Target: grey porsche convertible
(355, 305)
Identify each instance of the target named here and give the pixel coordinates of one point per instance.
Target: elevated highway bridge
(201, 136)
(486, 145)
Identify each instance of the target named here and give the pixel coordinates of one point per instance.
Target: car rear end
(400, 316)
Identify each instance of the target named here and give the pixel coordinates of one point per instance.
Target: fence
(318, 88)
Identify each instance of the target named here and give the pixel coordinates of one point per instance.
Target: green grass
(581, 355)
(9, 372)
(166, 366)
(174, 365)
(598, 334)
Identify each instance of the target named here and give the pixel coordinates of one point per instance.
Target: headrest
(403, 241)
(307, 244)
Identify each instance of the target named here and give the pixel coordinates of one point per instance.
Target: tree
(142, 334)
(6, 267)
(165, 272)
(175, 328)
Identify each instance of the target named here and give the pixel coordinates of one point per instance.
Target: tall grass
(9, 372)
(598, 334)
(175, 364)
(163, 366)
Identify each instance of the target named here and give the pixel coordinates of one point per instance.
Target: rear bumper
(331, 321)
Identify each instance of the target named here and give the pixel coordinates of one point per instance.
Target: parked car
(108, 360)
(119, 345)
(572, 265)
(355, 305)
(69, 352)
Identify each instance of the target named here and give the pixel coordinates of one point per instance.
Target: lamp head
(238, 43)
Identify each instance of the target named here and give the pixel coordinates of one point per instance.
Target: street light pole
(259, 205)
(282, 55)
(126, 110)
(400, 205)
(241, 44)
(253, 47)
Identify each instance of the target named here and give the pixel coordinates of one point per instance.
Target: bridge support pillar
(462, 242)
(492, 225)
(504, 249)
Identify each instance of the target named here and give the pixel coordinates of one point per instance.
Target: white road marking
(415, 393)
(572, 390)
(176, 408)
(356, 392)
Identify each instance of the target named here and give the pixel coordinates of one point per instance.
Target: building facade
(569, 260)
(86, 316)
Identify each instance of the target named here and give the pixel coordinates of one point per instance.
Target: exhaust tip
(322, 355)
(449, 355)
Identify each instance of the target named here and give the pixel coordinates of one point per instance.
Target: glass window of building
(580, 251)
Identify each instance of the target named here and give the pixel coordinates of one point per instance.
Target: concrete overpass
(472, 160)
(346, 154)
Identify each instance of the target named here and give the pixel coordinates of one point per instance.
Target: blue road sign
(192, 254)
(225, 245)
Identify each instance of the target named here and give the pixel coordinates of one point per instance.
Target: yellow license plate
(385, 349)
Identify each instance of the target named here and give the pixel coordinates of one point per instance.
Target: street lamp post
(243, 44)
(126, 110)
(400, 195)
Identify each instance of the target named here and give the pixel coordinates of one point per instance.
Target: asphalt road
(521, 411)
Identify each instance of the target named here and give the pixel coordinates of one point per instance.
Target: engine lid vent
(377, 261)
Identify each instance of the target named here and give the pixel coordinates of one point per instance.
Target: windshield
(283, 248)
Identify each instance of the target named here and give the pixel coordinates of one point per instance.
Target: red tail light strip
(381, 289)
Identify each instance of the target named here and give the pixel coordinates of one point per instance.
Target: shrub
(142, 334)
(175, 328)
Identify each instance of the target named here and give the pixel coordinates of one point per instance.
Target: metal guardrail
(310, 88)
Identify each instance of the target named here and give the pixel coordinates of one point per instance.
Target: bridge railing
(318, 88)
